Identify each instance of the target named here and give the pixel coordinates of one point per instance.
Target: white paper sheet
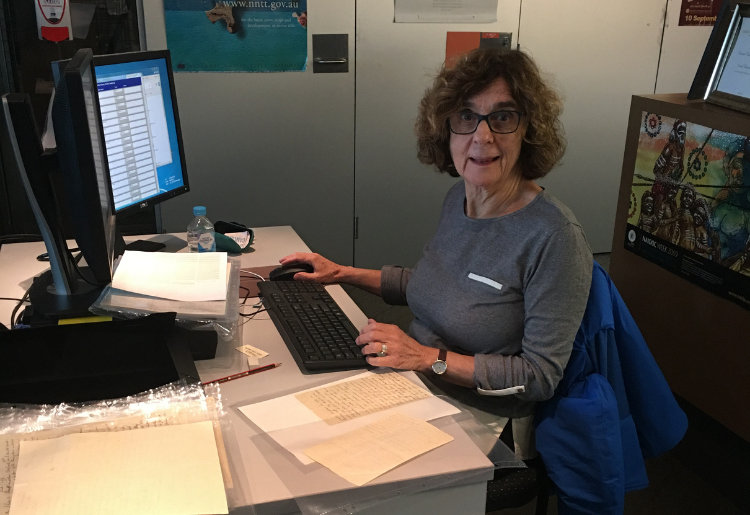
(295, 427)
(445, 11)
(179, 276)
(370, 451)
(158, 470)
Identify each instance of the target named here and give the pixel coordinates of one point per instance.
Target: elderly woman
(500, 290)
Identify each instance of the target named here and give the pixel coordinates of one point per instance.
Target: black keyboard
(318, 334)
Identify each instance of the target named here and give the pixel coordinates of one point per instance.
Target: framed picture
(729, 85)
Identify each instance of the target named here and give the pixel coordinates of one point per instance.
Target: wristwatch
(440, 366)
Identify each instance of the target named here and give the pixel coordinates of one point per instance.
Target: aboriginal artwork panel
(689, 207)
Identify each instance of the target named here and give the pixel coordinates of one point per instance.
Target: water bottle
(200, 232)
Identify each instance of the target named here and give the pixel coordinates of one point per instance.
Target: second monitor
(141, 128)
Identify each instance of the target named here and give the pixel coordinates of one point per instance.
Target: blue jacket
(612, 409)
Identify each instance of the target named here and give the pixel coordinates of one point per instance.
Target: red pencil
(243, 374)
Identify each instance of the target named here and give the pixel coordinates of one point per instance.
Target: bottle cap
(199, 211)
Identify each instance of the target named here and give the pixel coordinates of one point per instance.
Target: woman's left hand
(401, 351)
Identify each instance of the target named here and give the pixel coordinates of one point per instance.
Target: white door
(270, 148)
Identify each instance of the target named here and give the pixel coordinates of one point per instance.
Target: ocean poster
(236, 36)
(689, 209)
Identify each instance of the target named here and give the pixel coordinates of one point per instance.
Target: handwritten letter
(345, 401)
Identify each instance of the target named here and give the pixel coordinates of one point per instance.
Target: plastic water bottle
(200, 232)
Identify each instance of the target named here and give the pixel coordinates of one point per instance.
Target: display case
(681, 247)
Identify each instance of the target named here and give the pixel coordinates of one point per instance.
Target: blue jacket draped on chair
(612, 409)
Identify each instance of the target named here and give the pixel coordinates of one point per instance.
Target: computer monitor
(141, 128)
(144, 152)
(67, 289)
(83, 164)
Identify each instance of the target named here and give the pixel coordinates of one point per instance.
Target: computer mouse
(286, 272)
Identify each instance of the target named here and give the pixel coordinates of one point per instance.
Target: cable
(247, 290)
(76, 260)
(18, 306)
(253, 274)
(252, 315)
(45, 255)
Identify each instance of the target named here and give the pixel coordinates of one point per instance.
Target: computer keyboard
(318, 334)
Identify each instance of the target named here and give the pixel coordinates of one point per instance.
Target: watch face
(439, 367)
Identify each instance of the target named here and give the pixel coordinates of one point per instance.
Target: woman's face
(486, 159)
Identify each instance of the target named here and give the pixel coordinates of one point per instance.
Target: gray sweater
(510, 290)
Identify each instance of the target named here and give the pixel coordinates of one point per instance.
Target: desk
(450, 479)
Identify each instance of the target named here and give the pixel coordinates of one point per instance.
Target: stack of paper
(162, 470)
(385, 412)
(177, 276)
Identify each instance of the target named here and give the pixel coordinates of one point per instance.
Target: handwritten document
(181, 276)
(168, 469)
(8, 461)
(369, 394)
(368, 452)
(162, 408)
(296, 427)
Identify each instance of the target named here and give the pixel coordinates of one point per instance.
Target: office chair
(516, 487)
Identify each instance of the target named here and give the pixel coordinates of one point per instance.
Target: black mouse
(286, 272)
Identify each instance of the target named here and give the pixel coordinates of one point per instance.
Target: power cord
(21, 302)
(259, 306)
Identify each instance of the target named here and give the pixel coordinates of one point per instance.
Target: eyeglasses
(500, 122)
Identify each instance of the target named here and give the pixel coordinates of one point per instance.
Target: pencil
(243, 374)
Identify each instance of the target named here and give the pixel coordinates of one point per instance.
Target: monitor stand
(48, 307)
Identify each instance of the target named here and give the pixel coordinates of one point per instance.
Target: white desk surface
(450, 479)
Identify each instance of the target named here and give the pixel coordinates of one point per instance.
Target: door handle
(330, 53)
(330, 60)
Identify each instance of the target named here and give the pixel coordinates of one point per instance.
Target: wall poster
(689, 209)
(237, 35)
(459, 43)
(699, 12)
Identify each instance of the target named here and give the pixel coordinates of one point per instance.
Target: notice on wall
(237, 36)
(445, 11)
(458, 43)
(699, 12)
(689, 209)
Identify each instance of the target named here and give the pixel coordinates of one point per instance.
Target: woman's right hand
(325, 271)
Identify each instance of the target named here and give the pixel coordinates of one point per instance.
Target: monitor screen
(141, 128)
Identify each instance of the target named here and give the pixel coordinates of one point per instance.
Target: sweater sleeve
(393, 281)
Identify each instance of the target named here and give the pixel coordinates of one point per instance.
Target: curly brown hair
(544, 142)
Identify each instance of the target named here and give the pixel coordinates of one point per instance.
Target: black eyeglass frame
(486, 118)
